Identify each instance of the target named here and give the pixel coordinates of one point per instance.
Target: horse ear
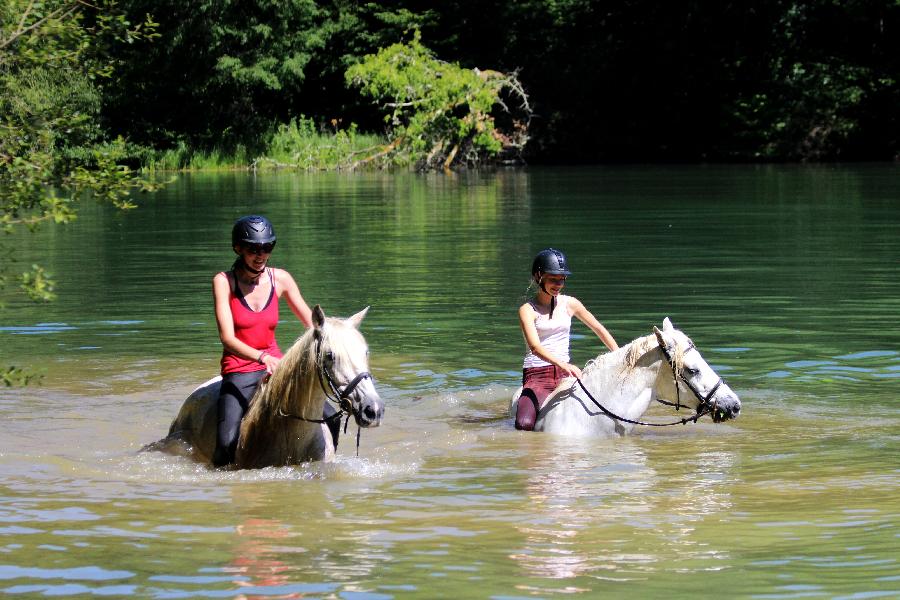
(665, 341)
(356, 319)
(318, 316)
(667, 325)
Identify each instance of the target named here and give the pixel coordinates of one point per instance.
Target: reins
(613, 415)
(341, 397)
(702, 409)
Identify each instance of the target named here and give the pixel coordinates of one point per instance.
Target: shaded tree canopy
(610, 81)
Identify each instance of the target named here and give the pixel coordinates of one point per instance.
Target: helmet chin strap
(243, 264)
(552, 297)
(251, 269)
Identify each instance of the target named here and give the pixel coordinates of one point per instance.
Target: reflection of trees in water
(617, 508)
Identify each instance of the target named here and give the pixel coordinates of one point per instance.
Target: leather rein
(703, 408)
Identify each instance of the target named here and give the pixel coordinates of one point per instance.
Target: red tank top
(256, 329)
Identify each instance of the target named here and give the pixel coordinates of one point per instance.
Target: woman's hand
(571, 370)
(271, 363)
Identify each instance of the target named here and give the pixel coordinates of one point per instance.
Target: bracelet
(261, 355)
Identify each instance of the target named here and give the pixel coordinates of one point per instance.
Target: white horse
(284, 423)
(617, 388)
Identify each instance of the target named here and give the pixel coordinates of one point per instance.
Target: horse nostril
(370, 413)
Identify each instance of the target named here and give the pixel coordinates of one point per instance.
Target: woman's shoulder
(281, 274)
(571, 302)
(222, 284)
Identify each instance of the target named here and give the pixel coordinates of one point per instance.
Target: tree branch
(60, 13)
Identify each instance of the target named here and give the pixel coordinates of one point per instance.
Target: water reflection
(257, 564)
(570, 494)
(587, 503)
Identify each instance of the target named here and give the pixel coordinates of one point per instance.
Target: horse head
(706, 392)
(342, 359)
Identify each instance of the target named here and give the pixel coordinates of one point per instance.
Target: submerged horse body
(617, 388)
(284, 423)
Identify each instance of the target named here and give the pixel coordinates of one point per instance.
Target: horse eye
(329, 356)
(692, 371)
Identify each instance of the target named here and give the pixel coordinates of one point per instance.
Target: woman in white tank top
(546, 321)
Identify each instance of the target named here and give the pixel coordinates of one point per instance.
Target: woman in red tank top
(246, 304)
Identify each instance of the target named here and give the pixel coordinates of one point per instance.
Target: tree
(440, 113)
(824, 83)
(54, 63)
(226, 73)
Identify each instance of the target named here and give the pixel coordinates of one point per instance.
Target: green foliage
(301, 145)
(633, 80)
(228, 72)
(53, 64)
(815, 92)
(619, 80)
(14, 376)
(434, 109)
(50, 153)
(810, 113)
(182, 157)
(646, 80)
(37, 284)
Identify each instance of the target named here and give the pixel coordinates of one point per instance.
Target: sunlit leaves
(437, 111)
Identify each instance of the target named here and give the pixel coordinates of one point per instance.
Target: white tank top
(552, 333)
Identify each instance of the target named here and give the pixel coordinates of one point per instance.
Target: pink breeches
(537, 383)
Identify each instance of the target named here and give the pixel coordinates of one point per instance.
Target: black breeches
(234, 399)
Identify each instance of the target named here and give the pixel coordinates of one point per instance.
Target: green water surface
(785, 277)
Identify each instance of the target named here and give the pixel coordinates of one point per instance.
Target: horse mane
(628, 356)
(290, 385)
(293, 385)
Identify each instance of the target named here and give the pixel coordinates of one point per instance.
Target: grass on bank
(298, 145)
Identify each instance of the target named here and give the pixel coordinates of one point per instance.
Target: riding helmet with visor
(252, 229)
(550, 262)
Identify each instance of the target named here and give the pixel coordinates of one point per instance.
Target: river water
(785, 277)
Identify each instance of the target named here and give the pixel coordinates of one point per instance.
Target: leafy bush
(300, 144)
(438, 112)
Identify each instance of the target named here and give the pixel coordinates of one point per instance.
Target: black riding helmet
(550, 261)
(252, 229)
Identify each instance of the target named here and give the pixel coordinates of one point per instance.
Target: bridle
(703, 408)
(676, 375)
(333, 392)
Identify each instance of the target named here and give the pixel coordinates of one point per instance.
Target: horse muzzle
(725, 405)
(360, 398)
(368, 411)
